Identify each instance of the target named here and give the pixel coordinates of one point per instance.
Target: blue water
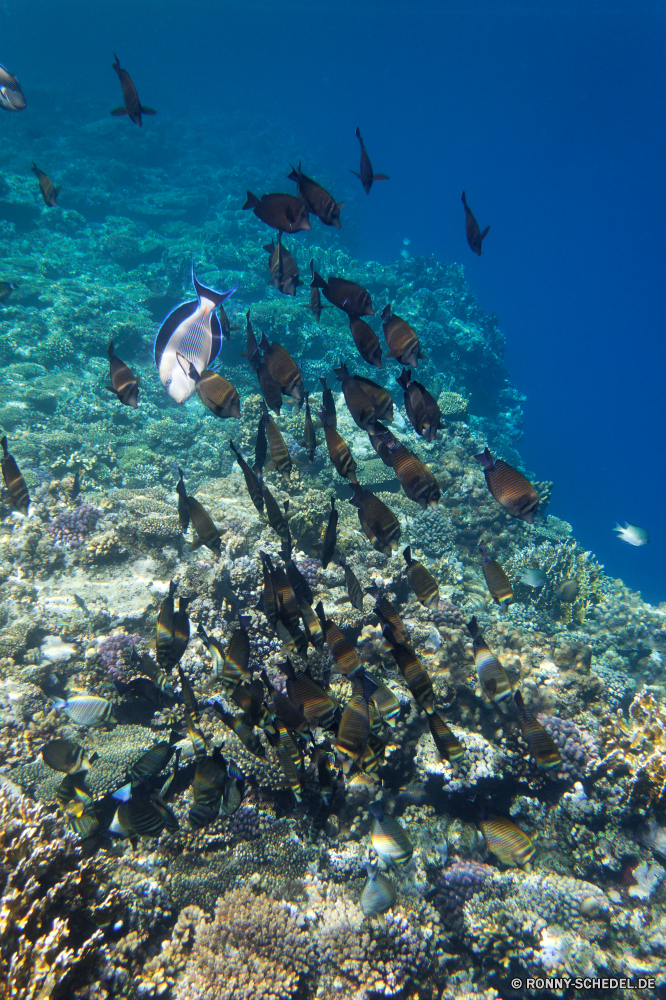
(549, 115)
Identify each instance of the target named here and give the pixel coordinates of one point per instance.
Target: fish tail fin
(485, 459)
(295, 175)
(147, 111)
(252, 201)
(473, 627)
(319, 611)
(520, 704)
(110, 351)
(117, 62)
(404, 378)
(407, 553)
(264, 343)
(485, 232)
(386, 313)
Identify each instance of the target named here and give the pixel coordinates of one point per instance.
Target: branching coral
(637, 745)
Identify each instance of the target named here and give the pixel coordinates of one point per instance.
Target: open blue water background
(550, 115)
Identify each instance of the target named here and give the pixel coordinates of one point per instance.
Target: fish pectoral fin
(384, 177)
(484, 233)
(57, 190)
(119, 112)
(355, 173)
(147, 111)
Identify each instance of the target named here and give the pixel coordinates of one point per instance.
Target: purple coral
(70, 528)
(578, 749)
(456, 884)
(244, 824)
(111, 650)
(309, 567)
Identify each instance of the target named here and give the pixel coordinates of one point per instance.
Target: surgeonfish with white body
(190, 335)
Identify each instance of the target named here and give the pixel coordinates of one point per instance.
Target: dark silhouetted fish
(312, 626)
(6, 289)
(415, 674)
(280, 457)
(354, 726)
(14, 481)
(366, 340)
(284, 709)
(76, 486)
(202, 522)
(567, 591)
(124, 382)
(346, 295)
(243, 732)
(152, 762)
(219, 395)
(288, 610)
(353, 586)
(250, 700)
(403, 342)
(183, 509)
(288, 755)
(474, 235)
(260, 448)
(231, 666)
(378, 521)
(283, 368)
(330, 535)
(381, 397)
(389, 839)
(366, 175)
(318, 707)
(341, 649)
(317, 198)
(377, 436)
(309, 436)
(234, 789)
(181, 635)
(504, 839)
(498, 582)
(328, 404)
(282, 267)
(276, 519)
(210, 778)
(252, 480)
(386, 703)
(46, 186)
(389, 615)
(423, 583)
(11, 95)
(422, 409)
(133, 106)
(359, 403)
(493, 677)
(315, 296)
(447, 743)
(280, 211)
(164, 628)
(296, 578)
(415, 477)
(338, 450)
(270, 601)
(509, 487)
(191, 332)
(225, 325)
(137, 818)
(270, 387)
(542, 747)
(195, 735)
(378, 894)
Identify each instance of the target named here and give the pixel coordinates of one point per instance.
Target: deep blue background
(551, 116)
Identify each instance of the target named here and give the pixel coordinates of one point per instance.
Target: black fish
(124, 382)
(309, 436)
(280, 211)
(252, 480)
(359, 403)
(48, 190)
(317, 198)
(260, 448)
(283, 368)
(378, 438)
(284, 709)
(338, 450)
(312, 626)
(133, 106)
(315, 297)
(403, 342)
(542, 747)
(354, 727)
(353, 586)
(328, 545)
(341, 649)
(76, 485)
(422, 410)
(164, 628)
(202, 522)
(183, 509)
(378, 521)
(366, 340)
(270, 387)
(270, 601)
(328, 404)
(474, 235)
(296, 579)
(509, 487)
(447, 743)
(347, 295)
(282, 267)
(14, 481)
(151, 763)
(367, 175)
(275, 516)
(280, 457)
(210, 778)
(415, 674)
(388, 614)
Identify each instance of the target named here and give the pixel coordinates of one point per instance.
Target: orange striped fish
(509, 487)
(14, 481)
(496, 579)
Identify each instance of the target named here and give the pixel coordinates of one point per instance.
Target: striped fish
(381, 398)
(283, 368)
(317, 706)
(312, 626)
(447, 743)
(414, 475)
(14, 481)
(496, 579)
(183, 509)
(250, 700)
(191, 330)
(270, 387)
(386, 703)
(288, 610)
(309, 436)
(389, 840)
(181, 632)
(422, 582)
(124, 382)
(415, 674)
(151, 763)
(290, 760)
(188, 696)
(353, 586)
(403, 342)
(164, 628)
(359, 403)
(66, 756)
(507, 841)
(243, 732)
(338, 450)
(218, 395)
(275, 516)
(366, 340)
(341, 649)
(493, 677)
(510, 488)
(354, 727)
(388, 615)
(284, 709)
(210, 778)
(542, 747)
(422, 410)
(328, 404)
(138, 817)
(280, 457)
(87, 710)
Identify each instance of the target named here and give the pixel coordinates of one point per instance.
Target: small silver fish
(534, 578)
(632, 533)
